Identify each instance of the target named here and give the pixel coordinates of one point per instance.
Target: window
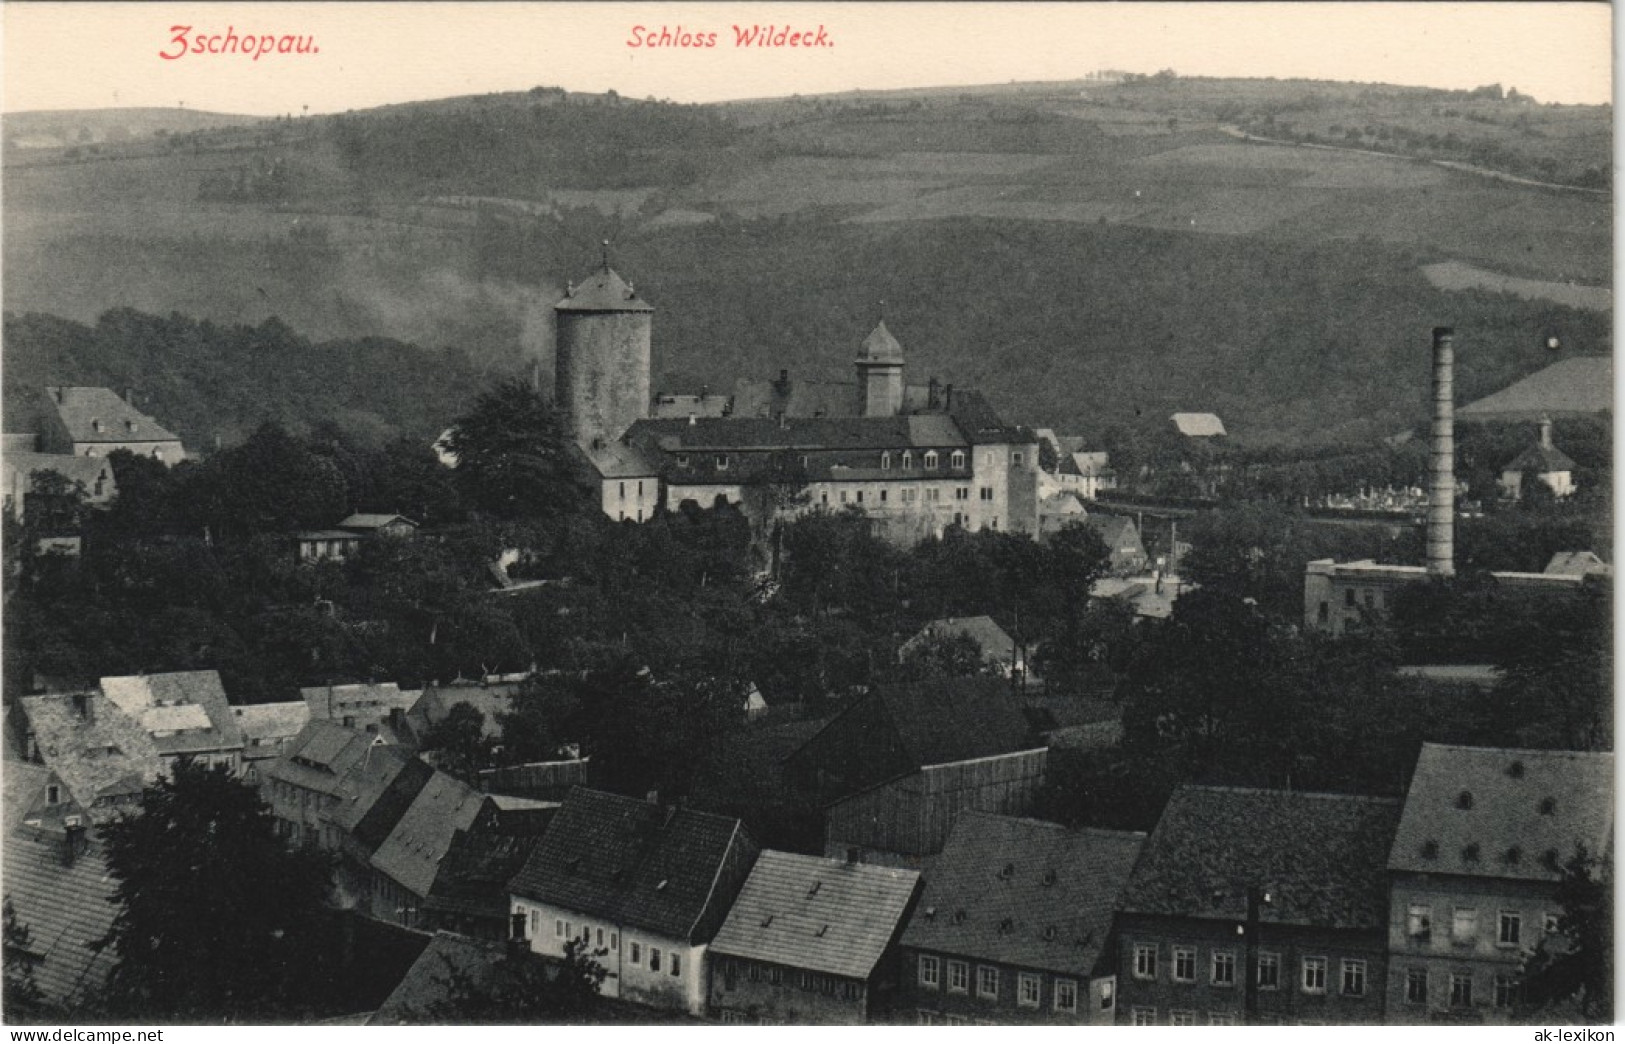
(1221, 1018)
(806, 982)
(1145, 1016)
(958, 459)
(623, 491)
(1015, 458)
(883, 496)
(722, 462)
(987, 493)
(908, 460)
(1184, 964)
(1511, 928)
(654, 958)
(775, 976)
(1354, 978)
(614, 941)
(1027, 990)
(637, 953)
(1416, 985)
(53, 794)
(1314, 975)
(1224, 967)
(885, 462)
(1464, 928)
(987, 981)
(1461, 991)
(987, 458)
(1145, 961)
(930, 972)
(860, 496)
(851, 991)
(962, 493)
(926, 1018)
(824, 496)
(826, 985)
(1506, 991)
(640, 488)
(1549, 924)
(906, 495)
(1181, 1017)
(931, 460)
(676, 966)
(1066, 995)
(843, 496)
(682, 460)
(958, 977)
(754, 972)
(1269, 971)
(933, 494)
(1419, 922)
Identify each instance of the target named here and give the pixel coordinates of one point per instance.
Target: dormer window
(1464, 800)
(958, 459)
(722, 462)
(931, 460)
(95, 424)
(908, 460)
(129, 425)
(682, 460)
(885, 462)
(1548, 806)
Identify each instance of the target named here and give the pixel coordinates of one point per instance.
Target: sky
(77, 56)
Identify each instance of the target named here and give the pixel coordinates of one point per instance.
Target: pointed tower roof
(881, 347)
(603, 291)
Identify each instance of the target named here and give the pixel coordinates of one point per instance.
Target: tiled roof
(103, 753)
(1492, 812)
(1025, 892)
(795, 398)
(367, 702)
(1583, 384)
(981, 423)
(23, 783)
(379, 771)
(412, 852)
(271, 723)
(618, 460)
(631, 861)
(1321, 857)
(1578, 563)
(472, 879)
(1198, 425)
(1111, 529)
(821, 914)
(428, 982)
(706, 435)
(75, 469)
(1541, 460)
(956, 719)
(365, 520)
(99, 415)
(987, 634)
(491, 700)
(66, 909)
(320, 755)
(191, 705)
(603, 291)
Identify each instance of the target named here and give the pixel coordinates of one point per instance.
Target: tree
(217, 919)
(1572, 970)
(945, 656)
(511, 456)
(22, 998)
(459, 738)
(522, 987)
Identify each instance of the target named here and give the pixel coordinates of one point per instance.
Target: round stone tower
(602, 364)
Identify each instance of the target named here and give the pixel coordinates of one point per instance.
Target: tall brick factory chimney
(1441, 537)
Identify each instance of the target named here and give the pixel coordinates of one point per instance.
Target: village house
(375, 707)
(268, 729)
(345, 539)
(93, 422)
(810, 941)
(185, 712)
(58, 884)
(492, 699)
(405, 864)
(1015, 926)
(1338, 597)
(898, 765)
(1474, 870)
(469, 894)
(1289, 884)
(644, 886)
(23, 474)
(997, 648)
(303, 787)
(1123, 542)
(97, 759)
(1544, 463)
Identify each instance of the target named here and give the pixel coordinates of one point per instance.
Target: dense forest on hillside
(202, 380)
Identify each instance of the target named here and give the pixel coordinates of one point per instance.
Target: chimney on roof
(1441, 546)
(129, 396)
(948, 397)
(83, 707)
(933, 392)
(1545, 433)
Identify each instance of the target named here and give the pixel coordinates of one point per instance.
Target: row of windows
(1464, 924)
(930, 460)
(1221, 970)
(1182, 1017)
(935, 973)
(1418, 989)
(640, 489)
(829, 985)
(905, 495)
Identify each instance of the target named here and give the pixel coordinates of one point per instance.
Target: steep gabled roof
(99, 415)
(411, 854)
(1504, 813)
(983, 630)
(271, 723)
(1321, 857)
(631, 861)
(99, 753)
(821, 914)
(603, 291)
(956, 719)
(184, 711)
(1541, 460)
(1024, 892)
(318, 758)
(472, 879)
(376, 792)
(372, 521)
(66, 909)
(981, 423)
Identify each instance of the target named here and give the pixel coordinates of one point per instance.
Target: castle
(914, 458)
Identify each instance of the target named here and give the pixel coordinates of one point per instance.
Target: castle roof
(603, 291)
(881, 347)
(100, 415)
